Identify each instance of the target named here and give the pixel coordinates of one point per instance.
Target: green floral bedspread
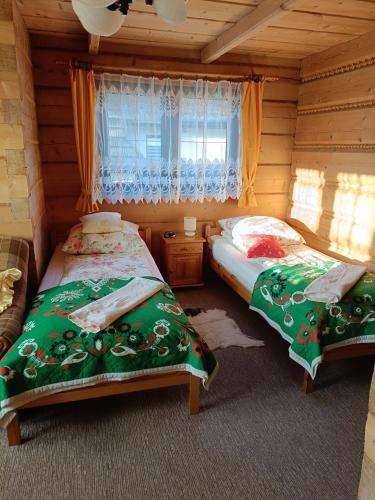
(53, 354)
(313, 327)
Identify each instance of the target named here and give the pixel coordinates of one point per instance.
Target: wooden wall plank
(279, 109)
(354, 8)
(207, 9)
(192, 26)
(55, 114)
(349, 53)
(289, 49)
(278, 126)
(276, 149)
(351, 87)
(59, 153)
(326, 23)
(72, 26)
(333, 163)
(307, 38)
(281, 90)
(353, 126)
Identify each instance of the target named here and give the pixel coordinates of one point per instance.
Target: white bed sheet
(62, 267)
(54, 271)
(247, 270)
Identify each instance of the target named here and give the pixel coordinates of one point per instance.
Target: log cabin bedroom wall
(316, 171)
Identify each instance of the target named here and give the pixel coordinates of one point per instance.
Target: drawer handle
(184, 249)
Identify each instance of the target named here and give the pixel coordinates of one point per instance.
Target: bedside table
(183, 259)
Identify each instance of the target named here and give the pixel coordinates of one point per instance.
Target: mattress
(247, 270)
(64, 268)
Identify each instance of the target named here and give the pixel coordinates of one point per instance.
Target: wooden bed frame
(145, 383)
(111, 389)
(346, 352)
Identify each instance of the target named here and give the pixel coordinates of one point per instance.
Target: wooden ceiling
(311, 26)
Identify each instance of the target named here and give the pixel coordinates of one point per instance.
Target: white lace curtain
(167, 140)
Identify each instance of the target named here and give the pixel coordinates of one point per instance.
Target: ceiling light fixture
(105, 17)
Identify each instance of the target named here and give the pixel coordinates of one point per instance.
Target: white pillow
(112, 242)
(129, 227)
(101, 222)
(228, 224)
(240, 226)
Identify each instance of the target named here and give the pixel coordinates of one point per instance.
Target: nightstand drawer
(181, 248)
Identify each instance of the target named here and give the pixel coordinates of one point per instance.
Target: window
(167, 140)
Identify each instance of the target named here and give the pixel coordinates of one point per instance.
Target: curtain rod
(167, 74)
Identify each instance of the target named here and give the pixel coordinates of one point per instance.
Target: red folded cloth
(260, 245)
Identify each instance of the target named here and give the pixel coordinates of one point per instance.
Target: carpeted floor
(257, 437)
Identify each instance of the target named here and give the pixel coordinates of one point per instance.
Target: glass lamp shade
(190, 226)
(97, 21)
(172, 12)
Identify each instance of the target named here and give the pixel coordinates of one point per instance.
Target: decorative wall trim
(335, 147)
(346, 68)
(337, 107)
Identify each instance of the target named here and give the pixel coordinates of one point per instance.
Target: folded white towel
(103, 312)
(332, 286)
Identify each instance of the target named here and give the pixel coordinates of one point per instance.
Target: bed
(53, 362)
(241, 274)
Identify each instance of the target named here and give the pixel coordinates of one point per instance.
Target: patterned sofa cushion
(14, 252)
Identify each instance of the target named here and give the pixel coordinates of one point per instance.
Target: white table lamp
(190, 226)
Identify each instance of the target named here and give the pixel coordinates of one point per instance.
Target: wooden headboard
(211, 230)
(59, 233)
(322, 245)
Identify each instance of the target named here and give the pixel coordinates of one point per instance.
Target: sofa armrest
(4, 346)
(14, 253)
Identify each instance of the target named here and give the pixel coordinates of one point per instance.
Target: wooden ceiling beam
(259, 18)
(94, 41)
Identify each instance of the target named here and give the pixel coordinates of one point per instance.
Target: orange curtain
(83, 95)
(251, 113)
